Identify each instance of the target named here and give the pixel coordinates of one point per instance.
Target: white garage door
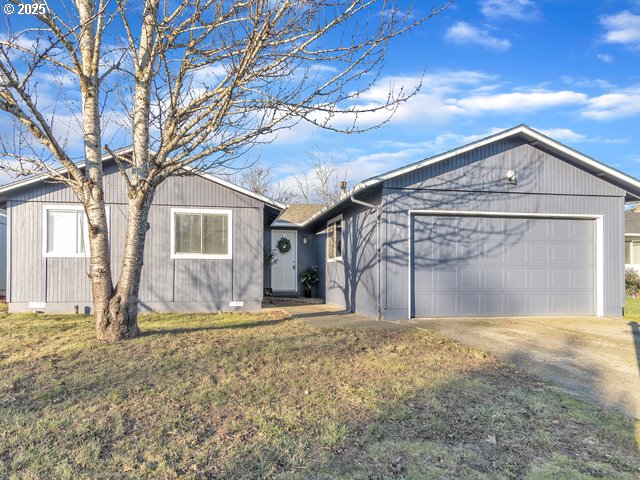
(488, 266)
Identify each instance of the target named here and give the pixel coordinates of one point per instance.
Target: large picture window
(334, 239)
(201, 233)
(65, 231)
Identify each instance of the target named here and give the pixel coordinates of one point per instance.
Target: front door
(284, 276)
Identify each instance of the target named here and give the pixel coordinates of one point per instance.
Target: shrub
(632, 282)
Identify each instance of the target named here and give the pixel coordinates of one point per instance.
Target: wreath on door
(283, 245)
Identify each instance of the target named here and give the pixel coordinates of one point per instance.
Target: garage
(490, 265)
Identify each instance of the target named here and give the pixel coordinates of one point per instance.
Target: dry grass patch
(264, 396)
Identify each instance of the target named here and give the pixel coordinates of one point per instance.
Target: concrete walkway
(329, 316)
(593, 358)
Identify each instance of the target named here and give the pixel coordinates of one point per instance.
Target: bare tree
(259, 179)
(321, 184)
(195, 84)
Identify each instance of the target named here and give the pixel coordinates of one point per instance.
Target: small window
(334, 239)
(201, 233)
(65, 231)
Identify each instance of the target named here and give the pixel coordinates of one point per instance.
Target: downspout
(378, 209)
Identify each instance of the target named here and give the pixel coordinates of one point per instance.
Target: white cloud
(585, 82)
(614, 105)
(515, 9)
(520, 101)
(464, 34)
(622, 28)
(563, 134)
(606, 58)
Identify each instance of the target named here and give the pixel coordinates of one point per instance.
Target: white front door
(284, 274)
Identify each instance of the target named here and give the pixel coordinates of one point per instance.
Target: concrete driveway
(594, 358)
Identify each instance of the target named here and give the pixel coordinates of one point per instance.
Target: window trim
(45, 226)
(202, 256)
(333, 221)
(631, 238)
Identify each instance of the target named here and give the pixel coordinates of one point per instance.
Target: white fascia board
(520, 129)
(284, 224)
(41, 178)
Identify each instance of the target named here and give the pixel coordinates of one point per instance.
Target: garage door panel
(493, 277)
(469, 277)
(492, 251)
(582, 253)
(516, 253)
(537, 253)
(503, 266)
(537, 278)
(444, 302)
(561, 278)
(583, 279)
(468, 304)
(560, 253)
(516, 278)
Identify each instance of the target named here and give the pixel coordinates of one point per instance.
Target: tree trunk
(117, 316)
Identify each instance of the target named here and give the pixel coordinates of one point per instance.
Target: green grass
(632, 307)
(263, 396)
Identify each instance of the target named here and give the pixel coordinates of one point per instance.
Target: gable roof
(533, 137)
(33, 179)
(632, 222)
(296, 214)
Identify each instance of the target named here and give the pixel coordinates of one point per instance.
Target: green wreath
(284, 245)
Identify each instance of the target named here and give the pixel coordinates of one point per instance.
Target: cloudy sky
(569, 68)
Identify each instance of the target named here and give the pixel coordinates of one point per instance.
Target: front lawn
(263, 396)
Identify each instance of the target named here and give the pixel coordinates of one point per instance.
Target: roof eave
(624, 181)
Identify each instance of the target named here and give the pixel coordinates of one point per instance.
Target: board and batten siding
(476, 182)
(352, 282)
(167, 284)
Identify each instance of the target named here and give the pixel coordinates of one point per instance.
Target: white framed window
(632, 249)
(334, 239)
(65, 231)
(201, 233)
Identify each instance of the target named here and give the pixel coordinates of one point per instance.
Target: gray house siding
(471, 182)
(352, 282)
(477, 182)
(167, 284)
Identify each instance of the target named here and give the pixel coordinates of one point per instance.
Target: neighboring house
(632, 238)
(513, 224)
(204, 250)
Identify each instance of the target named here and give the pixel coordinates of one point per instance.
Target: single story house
(513, 224)
(632, 238)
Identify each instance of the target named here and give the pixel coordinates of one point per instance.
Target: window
(632, 251)
(334, 239)
(201, 233)
(65, 231)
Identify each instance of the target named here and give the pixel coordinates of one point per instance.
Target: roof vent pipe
(343, 188)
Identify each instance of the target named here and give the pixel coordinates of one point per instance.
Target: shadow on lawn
(150, 330)
(473, 417)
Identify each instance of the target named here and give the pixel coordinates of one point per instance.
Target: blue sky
(568, 68)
